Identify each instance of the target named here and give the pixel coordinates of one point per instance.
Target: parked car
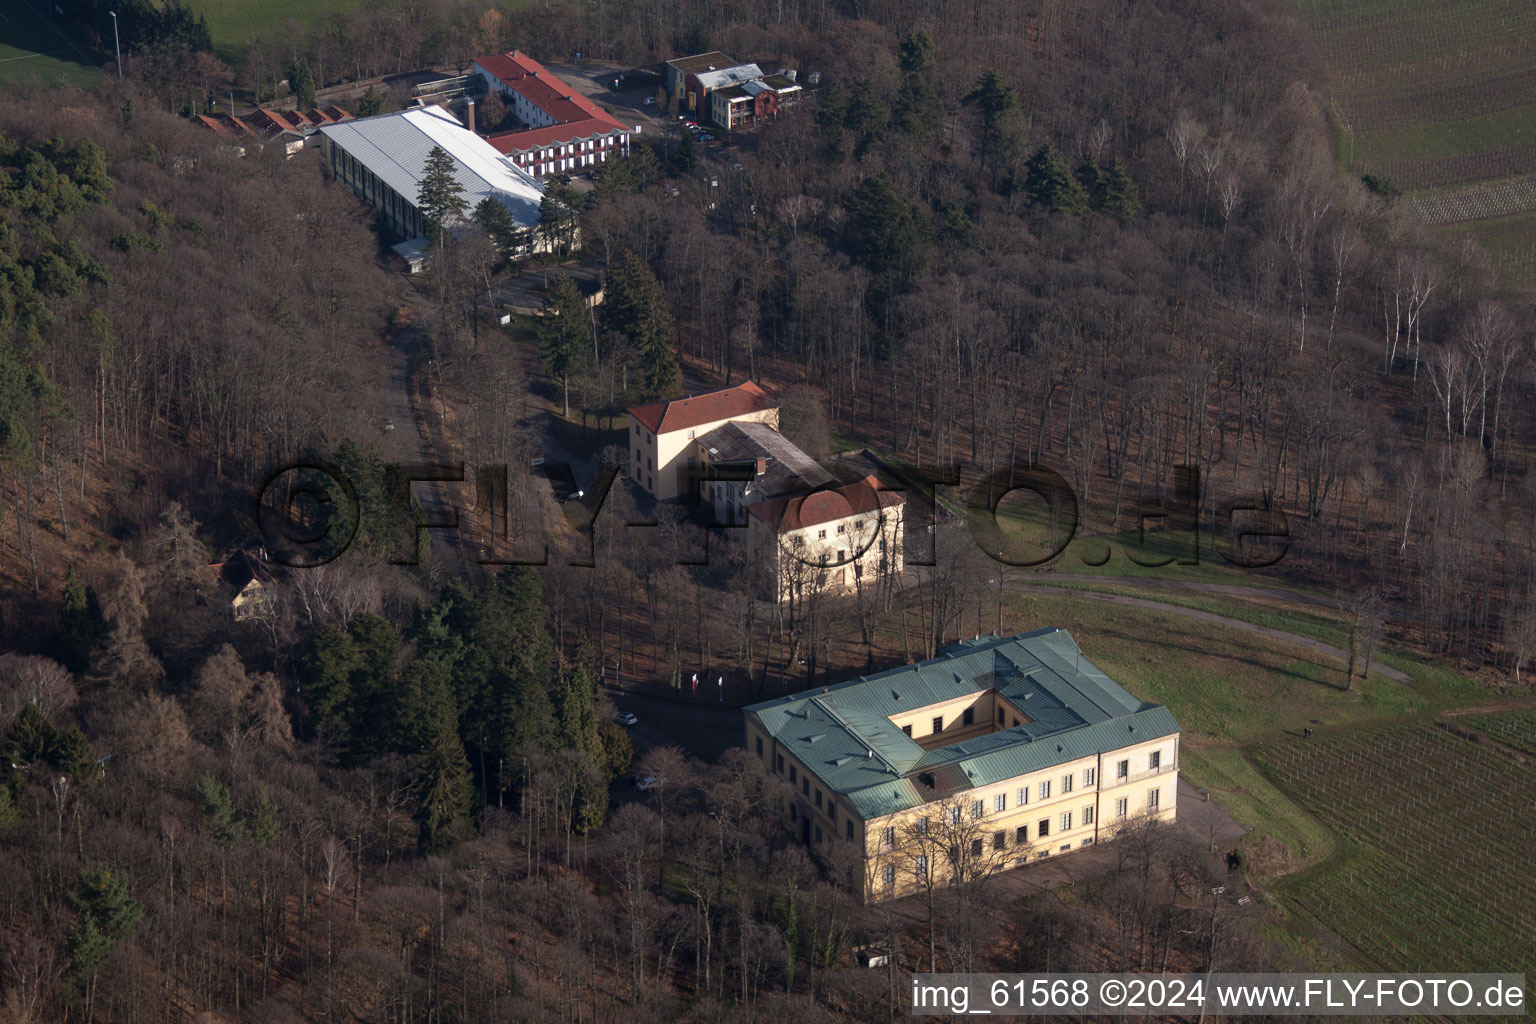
(565, 179)
(389, 424)
(649, 100)
(627, 718)
(706, 137)
(573, 496)
(644, 783)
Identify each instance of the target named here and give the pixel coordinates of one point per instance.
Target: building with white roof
(382, 160)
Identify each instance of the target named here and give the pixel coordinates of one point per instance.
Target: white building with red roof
(836, 538)
(817, 534)
(565, 130)
(664, 461)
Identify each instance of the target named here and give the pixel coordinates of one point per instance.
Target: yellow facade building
(998, 753)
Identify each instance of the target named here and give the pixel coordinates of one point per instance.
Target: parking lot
(629, 106)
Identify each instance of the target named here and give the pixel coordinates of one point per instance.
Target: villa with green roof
(999, 752)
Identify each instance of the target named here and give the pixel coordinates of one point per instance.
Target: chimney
(762, 466)
(469, 114)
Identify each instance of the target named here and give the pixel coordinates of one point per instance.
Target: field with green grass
(1281, 832)
(1225, 686)
(32, 48)
(1434, 92)
(1440, 97)
(1511, 245)
(1436, 868)
(1514, 729)
(232, 23)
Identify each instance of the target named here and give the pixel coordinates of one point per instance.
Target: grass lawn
(1440, 686)
(1284, 837)
(31, 47)
(1225, 687)
(232, 23)
(1511, 244)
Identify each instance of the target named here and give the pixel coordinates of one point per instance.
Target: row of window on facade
(1021, 832)
(979, 806)
(1021, 838)
(566, 149)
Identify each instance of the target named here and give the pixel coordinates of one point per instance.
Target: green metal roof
(843, 733)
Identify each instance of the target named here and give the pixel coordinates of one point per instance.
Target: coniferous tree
(578, 704)
(557, 218)
(107, 916)
(372, 103)
(221, 820)
(868, 117)
(72, 754)
(1120, 195)
(1092, 180)
(565, 335)
(440, 197)
(1048, 182)
(1002, 125)
(376, 515)
(685, 157)
(80, 624)
(916, 107)
(263, 824)
(350, 682)
(492, 216)
(302, 81)
(635, 307)
(887, 234)
(441, 778)
(30, 739)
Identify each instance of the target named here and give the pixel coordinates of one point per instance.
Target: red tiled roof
(223, 124)
(576, 116)
(508, 143)
(801, 511)
(271, 121)
(681, 413)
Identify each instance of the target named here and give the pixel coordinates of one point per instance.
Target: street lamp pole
(117, 44)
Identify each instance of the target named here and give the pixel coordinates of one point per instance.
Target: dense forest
(1106, 237)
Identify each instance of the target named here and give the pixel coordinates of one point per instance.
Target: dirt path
(1220, 620)
(1186, 586)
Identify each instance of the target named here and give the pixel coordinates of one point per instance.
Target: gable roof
(395, 148)
(695, 410)
(844, 734)
(787, 468)
(576, 117)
